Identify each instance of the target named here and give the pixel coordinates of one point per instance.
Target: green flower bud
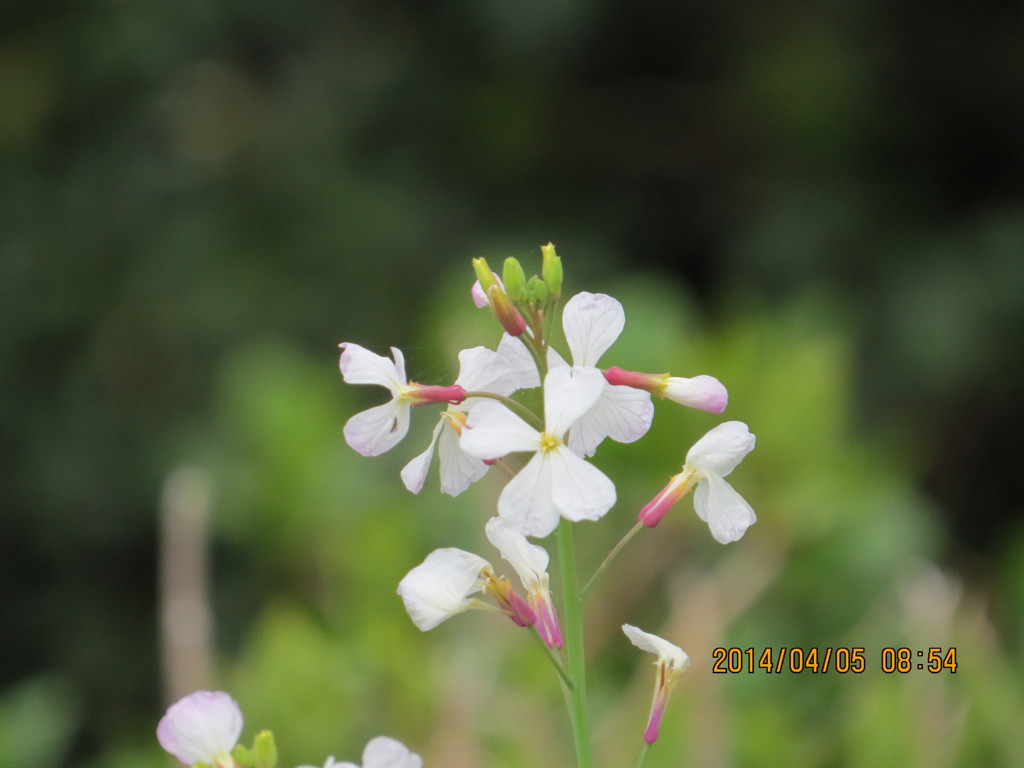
(264, 750)
(515, 279)
(552, 270)
(537, 290)
(484, 274)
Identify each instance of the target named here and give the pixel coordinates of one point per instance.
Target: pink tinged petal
(721, 449)
(361, 366)
(656, 508)
(414, 474)
(727, 514)
(621, 413)
(458, 469)
(479, 297)
(384, 752)
(440, 587)
(705, 393)
(484, 370)
(592, 322)
(202, 727)
(492, 431)
(526, 503)
(568, 394)
(581, 491)
(672, 662)
(378, 429)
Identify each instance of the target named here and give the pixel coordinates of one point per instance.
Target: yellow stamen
(548, 442)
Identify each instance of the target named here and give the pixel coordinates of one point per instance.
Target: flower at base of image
(381, 752)
(202, 727)
(717, 503)
(672, 661)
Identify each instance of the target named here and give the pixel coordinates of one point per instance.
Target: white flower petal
(440, 586)
(665, 651)
(721, 449)
(581, 491)
(458, 468)
(530, 561)
(717, 503)
(568, 394)
(384, 752)
(201, 727)
(592, 322)
(378, 429)
(484, 370)
(492, 431)
(526, 503)
(414, 474)
(521, 363)
(361, 366)
(622, 413)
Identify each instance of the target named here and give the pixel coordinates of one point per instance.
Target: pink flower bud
(419, 394)
(505, 311)
(705, 393)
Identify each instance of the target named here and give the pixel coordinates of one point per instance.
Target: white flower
(592, 322)
(379, 429)
(555, 482)
(202, 727)
(480, 370)
(381, 752)
(717, 503)
(442, 585)
(672, 662)
(530, 562)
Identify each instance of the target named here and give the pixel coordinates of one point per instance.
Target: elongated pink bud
(419, 394)
(705, 393)
(505, 311)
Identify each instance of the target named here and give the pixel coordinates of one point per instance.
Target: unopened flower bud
(484, 274)
(656, 508)
(506, 313)
(706, 393)
(552, 270)
(509, 601)
(420, 394)
(537, 290)
(264, 751)
(515, 279)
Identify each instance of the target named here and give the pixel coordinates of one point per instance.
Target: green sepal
(537, 290)
(515, 279)
(552, 270)
(484, 274)
(264, 750)
(242, 756)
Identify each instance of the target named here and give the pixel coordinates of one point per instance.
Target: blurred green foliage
(817, 203)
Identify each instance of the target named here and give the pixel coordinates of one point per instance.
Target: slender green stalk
(643, 755)
(572, 607)
(514, 405)
(553, 657)
(611, 556)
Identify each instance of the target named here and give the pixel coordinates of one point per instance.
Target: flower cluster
(482, 424)
(203, 730)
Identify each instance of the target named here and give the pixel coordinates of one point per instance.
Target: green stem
(643, 755)
(555, 661)
(572, 606)
(611, 556)
(513, 405)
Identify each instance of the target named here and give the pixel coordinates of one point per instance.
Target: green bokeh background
(820, 204)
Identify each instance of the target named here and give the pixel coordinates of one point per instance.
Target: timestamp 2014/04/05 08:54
(821, 660)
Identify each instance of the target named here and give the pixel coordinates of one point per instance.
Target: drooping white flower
(555, 482)
(705, 393)
(381, 752)
(379, 429)
(530, 562)
(480, 370)
(672, 661)
(443, 585)
(717, 503)
(592, 322)
(202, 727)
